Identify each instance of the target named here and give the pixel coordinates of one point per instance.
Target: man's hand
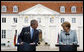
(32, 43)
(21, 43)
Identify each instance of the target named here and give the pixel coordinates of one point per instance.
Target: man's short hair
(33, 22)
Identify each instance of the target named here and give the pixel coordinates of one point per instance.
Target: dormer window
(15, 9)
(73, 9)
(62, 9)
(4, 9)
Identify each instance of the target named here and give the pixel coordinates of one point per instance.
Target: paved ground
(46, 48)
(38, 48)
(8, 49)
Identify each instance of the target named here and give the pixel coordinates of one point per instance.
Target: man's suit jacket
(25, 37)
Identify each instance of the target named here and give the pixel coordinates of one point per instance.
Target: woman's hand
(63, 43)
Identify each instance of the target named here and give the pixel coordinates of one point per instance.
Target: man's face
(35, 25)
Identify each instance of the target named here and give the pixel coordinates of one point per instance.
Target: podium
(67, 47)
(25, 47)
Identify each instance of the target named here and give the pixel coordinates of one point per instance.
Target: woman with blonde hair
(67, 36)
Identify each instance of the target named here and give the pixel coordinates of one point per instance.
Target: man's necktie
(32, 33)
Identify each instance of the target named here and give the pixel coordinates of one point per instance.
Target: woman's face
(65, 28)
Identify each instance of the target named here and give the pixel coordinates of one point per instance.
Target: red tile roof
(54, 5)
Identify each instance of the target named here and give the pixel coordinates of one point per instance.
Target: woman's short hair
(66, 24)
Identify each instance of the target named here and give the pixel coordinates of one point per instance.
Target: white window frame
(4, 8)
(62, 20)
(3, 19)
(51, 20)
(73, 20)
(39, 20)
(3, 34)
(15, 8)
(62, 9)
(26, 19)
(15, 20)
(73, 7)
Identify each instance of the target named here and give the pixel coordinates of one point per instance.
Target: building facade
(49, 14)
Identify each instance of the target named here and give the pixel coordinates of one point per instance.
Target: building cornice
(41, 14)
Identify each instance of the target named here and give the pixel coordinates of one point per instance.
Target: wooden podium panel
(67, 47)
(26, 47)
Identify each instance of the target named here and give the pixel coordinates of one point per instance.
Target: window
(39, 20)
(26, 19)
(15, 9)
(51, 20)
(62, 9)
(4, 8)
(62, 20)
(3, 33)
(73, 9)
(15, 20)
(3, 20)
(73, 20)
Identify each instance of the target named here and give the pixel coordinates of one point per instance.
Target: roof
(23, 5)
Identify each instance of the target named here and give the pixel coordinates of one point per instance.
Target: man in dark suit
(29, 37)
